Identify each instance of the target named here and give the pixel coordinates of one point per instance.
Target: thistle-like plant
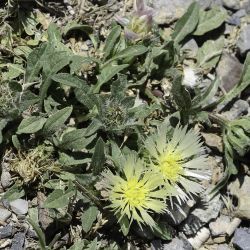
(139, 24)
(179, 159)
(136, 192)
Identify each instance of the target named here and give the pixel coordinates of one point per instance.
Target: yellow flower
(136, 194)
(181, 160)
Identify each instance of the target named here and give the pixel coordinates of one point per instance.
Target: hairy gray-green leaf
(98, 157)
(69, 80)
(56, 61)
(204, 99)
(68, 160)
(31, 125)
(56, 121)
(58, 198)
(76, 140)
(130, 51)
(109, 71)
(111, 40)
(14, 192)
(76, 26)
(187, 23)
(54, 35)
(40, 234)
(78, 62)
(210, 52)
(35, 62)
(210, 20)
(88, 217)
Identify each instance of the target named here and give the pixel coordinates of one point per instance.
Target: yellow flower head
(180, 160)
(137, 193)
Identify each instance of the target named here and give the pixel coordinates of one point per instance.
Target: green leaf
(98, 157)
(76, 26)
(40, 234)
(35, 62)
(129, 52)
(69, 80)
(14, 192)
(79, 245)
(57, 120)
(204, 99)
(107, 73)
(57, 60)
(162, 231)
(111, 41)
(88, 217)
(210, 52)
(125, 225)
(68, 160)
(210, 20)
(31, 125)
(78, 62)
(76, 140)
(54, 35)
(58, 198)
(89, 100)
(187, 23)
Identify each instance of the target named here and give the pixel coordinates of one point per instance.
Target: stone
(223, 247)
(6, 180)
(167, 11)
(235, 19)
(4, 214)
(242, 238)
(239, 108)
(18, 241)
(229, 71)
(178, 244)
(6, 231)
(243, 44)
(206, 210)
(232, 4)
(213, 141)
(240, 188)
(219, 226)
(19, 206)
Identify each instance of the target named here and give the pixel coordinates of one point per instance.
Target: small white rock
(19, 206)
(4, 214)
(6, 179)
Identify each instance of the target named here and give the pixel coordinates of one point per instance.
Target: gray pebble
(178, 244)
(229, 71)
(19, 206)
(242, 238)
(239, 108)
(243, 44)
(231, 4)
(235, 19)
(4, 214)
(18, 241)
(6, 180)
(205, 211)
(6, 231)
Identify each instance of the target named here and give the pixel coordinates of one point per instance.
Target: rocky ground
(217, 223)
